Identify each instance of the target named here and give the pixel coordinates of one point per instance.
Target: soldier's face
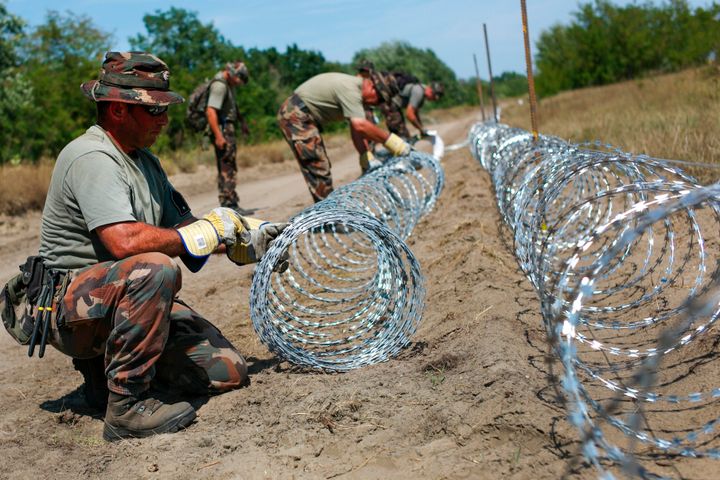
(143, 127)
(430, 94)
(369, 94)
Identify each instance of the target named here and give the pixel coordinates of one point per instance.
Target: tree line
(41, 69)
(606, 43)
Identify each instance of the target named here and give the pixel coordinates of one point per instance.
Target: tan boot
(130, 417)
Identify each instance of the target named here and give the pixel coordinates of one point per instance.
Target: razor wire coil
(623, 251)
(353, 294)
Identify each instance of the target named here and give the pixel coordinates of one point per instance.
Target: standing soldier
(331, 97)
(222, 113)
(104, 288)
(411, 98)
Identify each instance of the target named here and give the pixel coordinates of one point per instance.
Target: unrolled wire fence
(353, 294)
(624, 253)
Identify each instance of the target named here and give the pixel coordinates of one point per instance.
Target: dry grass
(187, 161)
(674, 116)
(24, 187)
(446, 114)
(272, 152)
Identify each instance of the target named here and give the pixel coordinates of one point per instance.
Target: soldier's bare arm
(214, 124)
(125, 239)
(413, 115)
(366, 130)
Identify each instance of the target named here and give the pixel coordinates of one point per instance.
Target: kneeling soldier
(111, 226)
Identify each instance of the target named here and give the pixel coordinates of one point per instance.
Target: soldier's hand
(203, 236)
(397, 146)
(220, 142)
(253, 244)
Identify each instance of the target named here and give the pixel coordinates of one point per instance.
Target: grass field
(674, 116)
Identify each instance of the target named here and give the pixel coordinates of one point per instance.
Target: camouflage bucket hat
(365, 65)
(385, 86)
(238, 70)
(132, 77)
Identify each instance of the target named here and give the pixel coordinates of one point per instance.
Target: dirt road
(469, 399)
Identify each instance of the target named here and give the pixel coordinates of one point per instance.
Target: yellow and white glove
(255, 240)
(365, 158)
(397, 146)
(202, 237)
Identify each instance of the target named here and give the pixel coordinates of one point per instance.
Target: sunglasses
(155, 110)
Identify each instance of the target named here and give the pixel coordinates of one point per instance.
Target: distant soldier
(104, 287)
(331, 97)
(411, 97)
(222, 114)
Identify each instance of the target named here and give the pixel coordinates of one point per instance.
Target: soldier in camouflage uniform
(222, 113)
(410, 98)
(330, 97)
(111, 227)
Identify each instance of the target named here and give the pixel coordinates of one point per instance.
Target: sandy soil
(469, 398)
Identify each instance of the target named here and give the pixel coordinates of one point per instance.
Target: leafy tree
(11, 30)
(606, 43)
(15, 92)
(424, 64)
(192, 50)
(58, 56)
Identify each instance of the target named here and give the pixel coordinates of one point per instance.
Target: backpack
(403, 78)
(195, 115)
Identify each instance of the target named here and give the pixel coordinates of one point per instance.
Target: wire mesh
(623, 251)
(353, 294)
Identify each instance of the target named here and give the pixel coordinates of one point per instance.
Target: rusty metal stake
(531, 79)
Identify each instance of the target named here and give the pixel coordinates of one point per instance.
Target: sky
(453, 29)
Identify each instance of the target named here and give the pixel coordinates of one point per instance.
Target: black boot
(95, 387)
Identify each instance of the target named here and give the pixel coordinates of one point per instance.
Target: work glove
(397, 146)
(203, 236)
(368, 162)
(255, 241)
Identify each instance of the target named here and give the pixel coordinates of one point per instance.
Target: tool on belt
(27, 303)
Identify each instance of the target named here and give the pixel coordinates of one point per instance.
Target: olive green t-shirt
(94, 183)
(332, 97)
(222, 99)
(413, 94)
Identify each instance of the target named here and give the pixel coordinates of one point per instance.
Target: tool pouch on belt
(19, 297)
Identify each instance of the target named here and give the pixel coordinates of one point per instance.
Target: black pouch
(33, 275)
(16, 311)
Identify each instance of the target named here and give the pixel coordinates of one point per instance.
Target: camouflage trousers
(302, 133)
(128, 311)
(227, 168)
(395, 120)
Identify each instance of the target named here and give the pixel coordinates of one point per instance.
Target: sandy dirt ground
(468, 399)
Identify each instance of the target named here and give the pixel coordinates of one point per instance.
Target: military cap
(132, 77)
(437, 89)
(238, 70)
(365, 65)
